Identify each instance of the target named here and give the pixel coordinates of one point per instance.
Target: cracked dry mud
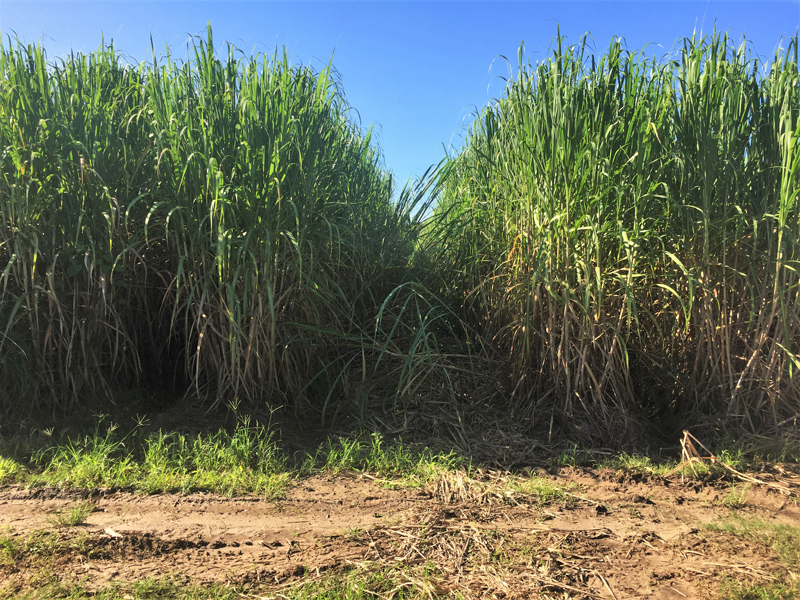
(616, 536)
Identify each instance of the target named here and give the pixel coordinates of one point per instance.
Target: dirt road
(609, 535)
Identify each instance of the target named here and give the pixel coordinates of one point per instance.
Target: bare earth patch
(611, 535)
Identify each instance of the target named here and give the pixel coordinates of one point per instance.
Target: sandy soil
(615, 536)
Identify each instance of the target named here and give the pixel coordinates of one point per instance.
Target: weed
(395, 464)
(731, 589)
(783, 539)
(635, 463)
(96, 459)
(541, 489)
(10, 549)
(76, 515)
(634, 513)
(735, 497)
(347, 585)
(10, 470)
(734, 459)
(149, 589)
(247, 460)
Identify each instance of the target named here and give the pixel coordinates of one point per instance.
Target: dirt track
(611, 536)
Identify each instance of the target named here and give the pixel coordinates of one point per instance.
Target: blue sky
(416, 70)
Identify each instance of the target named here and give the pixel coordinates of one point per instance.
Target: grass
(10, 549)
(391, 464)
(638, 464)
(65, 518)
(542, 490)
(353, 585)
(42, 545)
(734, 590)
(395, 464)
(9, 470)
(216, 226)
(738, 457)
(617, 234)
(735, 498)
(151, 589)
(782, 539)
(248, 458)
(622, 231)
(245, 459)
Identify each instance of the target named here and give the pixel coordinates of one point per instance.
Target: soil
(614, 536)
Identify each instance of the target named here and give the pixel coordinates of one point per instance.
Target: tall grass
(624, 230)
(620, 230)
(217, 226)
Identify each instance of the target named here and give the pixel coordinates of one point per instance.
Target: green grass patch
(346, 585)
(247, 459)
(735, 590)
(735, 498)
(541, 489)
(642, 464)
(636, 463)
(394, 463)
(10, 470)
(42, 544)
(355, 585)
(10, 549)
(151, 589)
(783, 539)
(64, 518)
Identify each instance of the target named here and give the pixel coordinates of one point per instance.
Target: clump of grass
(736, 590)
(64, 518)
(735, 498)
(346, 585)
(573, 457)
(10, 470)
(10, 549)
(149, 589)
(155, 589)
(246, 460)
(41, 545)
(783, 539)
(97, 459)
(543, 490)
(714, 468)
(395, 463)
(361, 584)
(636, 463)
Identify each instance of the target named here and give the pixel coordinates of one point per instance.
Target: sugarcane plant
(623, 229)
(216, 226)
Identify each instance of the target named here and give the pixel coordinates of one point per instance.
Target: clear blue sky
(416, 70)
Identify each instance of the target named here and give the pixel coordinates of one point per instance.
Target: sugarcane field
(241, 358)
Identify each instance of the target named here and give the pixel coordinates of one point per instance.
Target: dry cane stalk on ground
(690, 456)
